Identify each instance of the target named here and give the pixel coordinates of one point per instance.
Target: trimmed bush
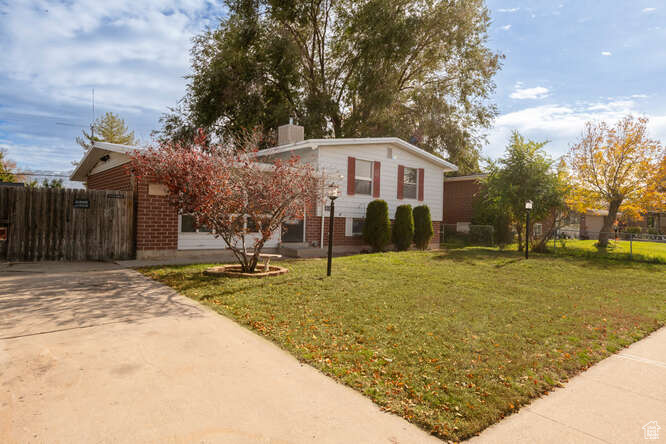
(377, 228)
(403, 227)
(422, 227)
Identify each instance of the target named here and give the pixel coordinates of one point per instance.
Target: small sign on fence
(81, 203)
(115, 196)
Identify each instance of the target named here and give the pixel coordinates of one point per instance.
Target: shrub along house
(385, 168)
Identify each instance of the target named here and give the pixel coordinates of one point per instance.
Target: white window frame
(355, 233)
(416, 183)
(538, 229)
(180, 227)
(357, 177)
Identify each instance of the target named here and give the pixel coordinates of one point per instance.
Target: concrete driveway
(98, 353)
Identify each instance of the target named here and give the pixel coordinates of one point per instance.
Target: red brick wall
(115, 178)
(458, 200)
(156, 221)
(313, 231)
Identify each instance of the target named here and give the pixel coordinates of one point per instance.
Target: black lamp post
(528, 207)
(333, 193)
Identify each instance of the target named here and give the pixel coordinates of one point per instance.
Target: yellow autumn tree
(615, 168)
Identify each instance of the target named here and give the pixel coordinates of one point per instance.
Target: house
(592, 221)
(369, 168)
(459, 193)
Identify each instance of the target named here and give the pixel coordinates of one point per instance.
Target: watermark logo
(651, 430)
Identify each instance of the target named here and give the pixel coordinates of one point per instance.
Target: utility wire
(20, 173)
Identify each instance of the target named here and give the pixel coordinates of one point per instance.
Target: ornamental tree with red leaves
(225, 187)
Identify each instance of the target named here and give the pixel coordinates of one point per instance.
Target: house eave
(94, 155)
(395, 141)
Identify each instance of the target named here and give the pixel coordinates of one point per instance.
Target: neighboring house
(591, 223)
(459, 193)
(653, 222)
(371, 168)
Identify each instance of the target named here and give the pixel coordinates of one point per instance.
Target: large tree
(107, 128)
(415, 69)
(525, 172)
(617, 168)
(8, 169)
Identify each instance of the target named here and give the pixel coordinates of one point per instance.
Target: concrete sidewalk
(609, 403)
(98, 353)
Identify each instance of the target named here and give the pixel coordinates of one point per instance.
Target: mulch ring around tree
(236, 271)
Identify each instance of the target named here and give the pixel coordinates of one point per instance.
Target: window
(537, 230)
(363, 178)
(462, 227)
(357, 226)
(189, 225)
(409, 185)
(252, 226)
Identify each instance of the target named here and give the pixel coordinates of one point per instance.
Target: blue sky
(566, 62)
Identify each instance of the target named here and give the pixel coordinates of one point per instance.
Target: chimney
(290, 133)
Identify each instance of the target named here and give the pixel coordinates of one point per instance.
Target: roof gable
(94, 155)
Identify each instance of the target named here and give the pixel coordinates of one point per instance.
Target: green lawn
(641, 251)
(452, 341)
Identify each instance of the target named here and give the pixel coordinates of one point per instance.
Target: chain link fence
(635, 245)
(464, 233)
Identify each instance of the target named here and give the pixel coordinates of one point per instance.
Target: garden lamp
(528, 207)
(333, 193)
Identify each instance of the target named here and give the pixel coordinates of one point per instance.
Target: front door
(292, 231)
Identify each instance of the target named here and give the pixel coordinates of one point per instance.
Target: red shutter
(377, 169)
(421, 176)
(351, 174)
(401, 181)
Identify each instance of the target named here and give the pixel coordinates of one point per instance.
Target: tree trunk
(607, 229)
(519, 231)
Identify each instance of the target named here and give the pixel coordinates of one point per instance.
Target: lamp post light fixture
(333, 193)
(528, 207)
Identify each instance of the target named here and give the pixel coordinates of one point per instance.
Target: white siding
(115, 159)
(333, 159)
(206, 241)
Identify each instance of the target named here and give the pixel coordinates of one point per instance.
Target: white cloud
(509, 10)
(606, 53)
(521, 93)
(563, 124)
(505, 27)
(135, 53)
(649, 9)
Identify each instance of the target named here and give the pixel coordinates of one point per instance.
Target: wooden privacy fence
(71, 225)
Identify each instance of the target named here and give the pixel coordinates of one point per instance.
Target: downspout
(323, 202)
(305, 221)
